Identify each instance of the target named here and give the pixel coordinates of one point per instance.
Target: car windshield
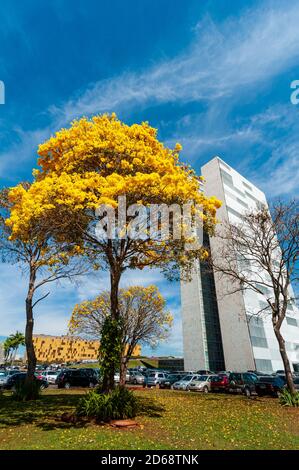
(188, 377)
(51, 373)
(202, 378)
(267, 379)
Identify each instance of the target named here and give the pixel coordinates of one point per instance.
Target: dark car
(170, 380)
(91, 371)
(243, 382)
(76, 378)
(14, 380)
(258, 373)
(220, 383)
(296, 383)
(269, 385)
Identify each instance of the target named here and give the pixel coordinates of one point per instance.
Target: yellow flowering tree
(94, 162)
(143, 315)
(43, 261)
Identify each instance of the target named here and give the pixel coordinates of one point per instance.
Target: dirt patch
(124, 423)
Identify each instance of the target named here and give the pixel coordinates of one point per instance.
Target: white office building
(220, 330)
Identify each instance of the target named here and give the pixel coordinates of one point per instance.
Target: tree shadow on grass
(45, 412)
(147, 407)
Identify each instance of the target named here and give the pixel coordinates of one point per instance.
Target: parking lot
(249, 383)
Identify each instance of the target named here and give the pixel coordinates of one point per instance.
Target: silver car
(201, 384)
(136, 377)
(183, 384)
(154, 379)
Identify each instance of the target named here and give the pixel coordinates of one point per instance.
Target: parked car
(204, 372)
(270, 385)
(184, 382)
(76, 378)
(49, 375)
(117, 377)
(201, 384)
(220, 383)
(243, 382)
(93, 372)
(155, 379)
(3, 378)
(135, 377)
(11, 372)
(258, 373)
(15, 379)
(170, 380)
(279, 372)
(296, 383)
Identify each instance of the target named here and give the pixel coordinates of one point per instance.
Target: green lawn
(170, 420)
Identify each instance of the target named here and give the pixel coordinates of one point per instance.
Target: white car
(50, 376)
(117, 377)
(201, 384)
(184, 383)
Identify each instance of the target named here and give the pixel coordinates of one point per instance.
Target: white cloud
(222, 61)
(278, 173)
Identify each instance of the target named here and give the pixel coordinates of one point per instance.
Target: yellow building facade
(60, 349)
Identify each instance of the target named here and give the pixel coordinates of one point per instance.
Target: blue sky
(213, 75)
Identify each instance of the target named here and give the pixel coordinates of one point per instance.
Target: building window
(264, 306)
(264, 365)
(259, 342)
(235, 198)
(292, 321)
(233, 212)
(222, 164)
(247, 186)
(228, 181)
(263, 289)
(253, 198)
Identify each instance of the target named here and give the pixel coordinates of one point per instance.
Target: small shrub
(25, 392)
(119, 404)
(288, 399)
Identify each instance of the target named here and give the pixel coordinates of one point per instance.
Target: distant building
(171, 363)
(220, 330)
(60, 349)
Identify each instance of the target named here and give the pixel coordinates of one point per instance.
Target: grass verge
(167, 419)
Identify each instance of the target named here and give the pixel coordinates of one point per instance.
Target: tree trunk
(114, 340)
(31, 358)
(123, 370)
(285, 359)
(13, 357)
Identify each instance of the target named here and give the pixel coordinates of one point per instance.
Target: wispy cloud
(278, 127)
(222, 62)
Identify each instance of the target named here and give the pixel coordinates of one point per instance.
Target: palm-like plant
(12, 344)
